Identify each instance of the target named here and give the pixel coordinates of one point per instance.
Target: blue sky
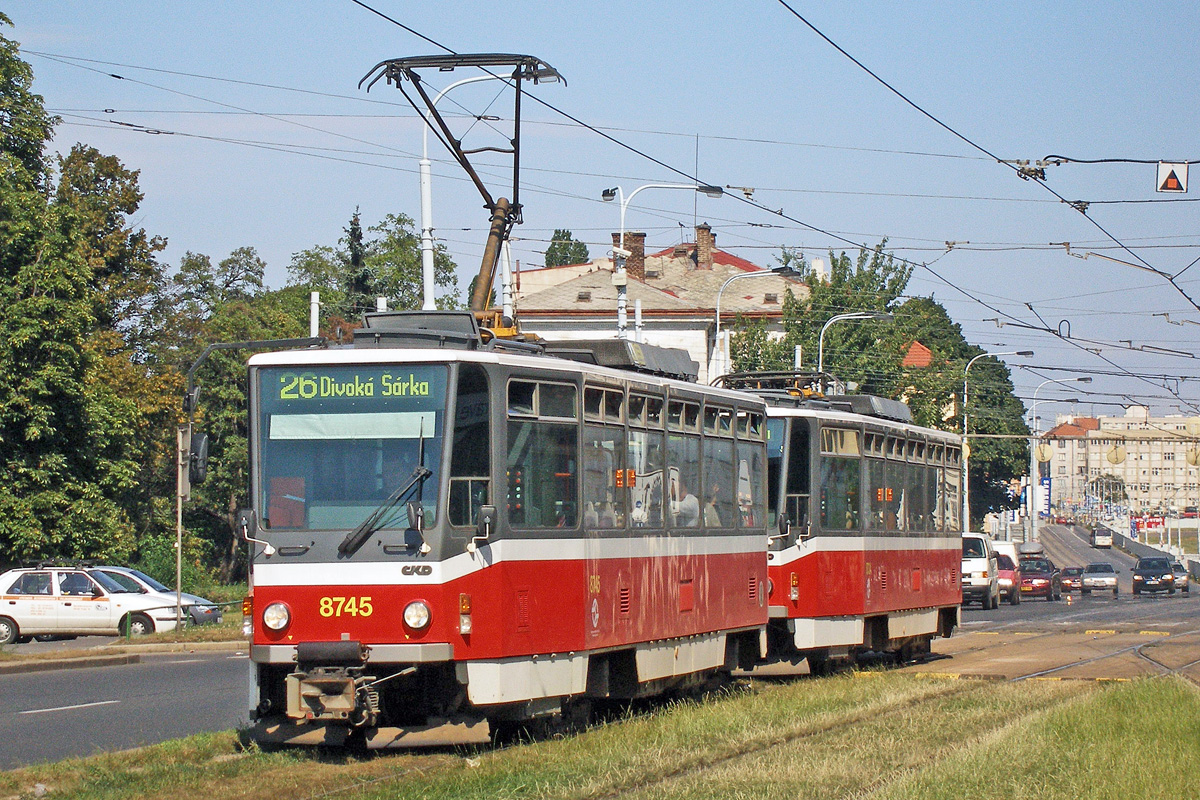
(738, 94)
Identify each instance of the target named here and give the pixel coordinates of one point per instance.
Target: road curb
(47, 664)
(117, 656)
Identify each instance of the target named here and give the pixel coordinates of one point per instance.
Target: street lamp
(620, 253)
(880, 315)
(718, 361)
(1033, 473)
(966, 518)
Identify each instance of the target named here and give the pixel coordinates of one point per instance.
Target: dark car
(1153, 574)
(1072, 579)
(1040, 578)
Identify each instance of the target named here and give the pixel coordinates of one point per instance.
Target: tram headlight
(276, 616)
(416, 615)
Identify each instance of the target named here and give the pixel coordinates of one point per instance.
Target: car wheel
(140, 625)
(1085, 591)
(1136, 590)
(1116, 591)
(1050, 596)
(9, 632)
(1171, 590)
(1014, 598)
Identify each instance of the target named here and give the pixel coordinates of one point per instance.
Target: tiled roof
(918, 355)
(673, 283)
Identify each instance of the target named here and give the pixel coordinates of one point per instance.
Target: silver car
(1181, 577)
(1099, 576)
(197, 610)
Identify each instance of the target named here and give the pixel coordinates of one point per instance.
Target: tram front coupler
(329, 685)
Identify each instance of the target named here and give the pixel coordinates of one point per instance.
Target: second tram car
(866, 547)
(451, 534)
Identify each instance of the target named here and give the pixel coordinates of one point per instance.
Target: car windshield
(1004, 562)
(157, 586)
(973, 548)
(1035, 565)
(1074, 570)
(108, 583)
(1100, 568)
(1153, 563)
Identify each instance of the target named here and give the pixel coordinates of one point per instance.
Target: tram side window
(880, 498)
(683, 480)
(751, 471)
(646, 461)
(541, 474)
(604, 477)
(839, 493)
(543, 456)
(775, 443)
(917, 509)
(934, 498)
(895, 515)
(953, 499)
(720, 482)
(470, 468)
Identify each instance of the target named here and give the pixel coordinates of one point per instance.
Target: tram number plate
(351, 606)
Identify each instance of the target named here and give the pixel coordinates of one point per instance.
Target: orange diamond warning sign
(1172, 177)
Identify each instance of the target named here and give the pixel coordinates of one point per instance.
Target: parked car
(199, 610)
(1182, 579)
(1100, 576)
(68, 601)
(1072, 579)
(1153, 574)
(980, 574)
(1040, 578)
(1009, 573)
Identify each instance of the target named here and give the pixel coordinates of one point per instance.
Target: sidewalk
(114, 655)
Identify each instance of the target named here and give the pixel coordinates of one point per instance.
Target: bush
(156, 557)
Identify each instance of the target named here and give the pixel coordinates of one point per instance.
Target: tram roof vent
(873, 406)
(457, 330)
(667, 362)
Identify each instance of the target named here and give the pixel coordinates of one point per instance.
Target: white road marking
(69, 708)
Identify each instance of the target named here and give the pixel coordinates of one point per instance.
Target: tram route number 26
(351, 606)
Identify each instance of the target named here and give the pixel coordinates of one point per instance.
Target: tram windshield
(336, 441)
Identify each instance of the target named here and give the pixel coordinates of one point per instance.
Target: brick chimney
(706, 242)
(635, 263)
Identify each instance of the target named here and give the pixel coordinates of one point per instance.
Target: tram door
(799, 479)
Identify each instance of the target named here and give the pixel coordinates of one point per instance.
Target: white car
(67, 601)
(980, 571)
(198, 610)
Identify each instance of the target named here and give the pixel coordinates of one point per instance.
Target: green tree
(62, 469)
(384, 261)
(565, 249)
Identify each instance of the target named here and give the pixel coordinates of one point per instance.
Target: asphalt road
(1067, 546)
(48, 716)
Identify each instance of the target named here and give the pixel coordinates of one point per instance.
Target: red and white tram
(866, 541)
(450, 534)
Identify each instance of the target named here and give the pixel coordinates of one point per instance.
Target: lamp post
(718, 359)
(1033, 471)
(620, 253)
(966, 509)
(880, 315)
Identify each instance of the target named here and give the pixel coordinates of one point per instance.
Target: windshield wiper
(359, 536)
